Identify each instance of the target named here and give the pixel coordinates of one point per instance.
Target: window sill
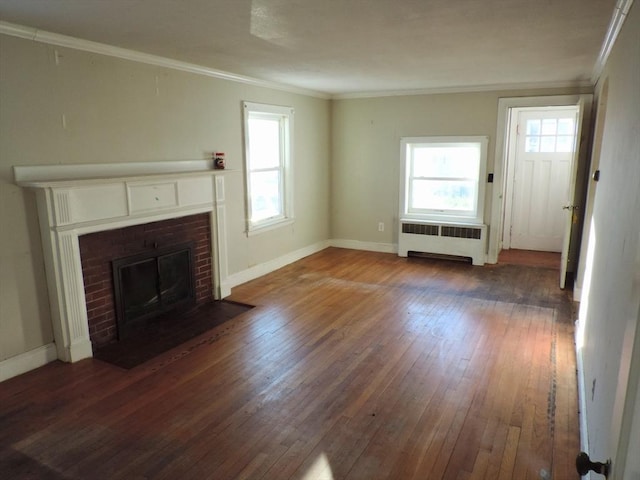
(441, 220)
(256, 230)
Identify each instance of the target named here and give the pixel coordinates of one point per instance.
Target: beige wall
(366, 151)
(610, 306)
(122, 111)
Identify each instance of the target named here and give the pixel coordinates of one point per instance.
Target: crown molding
(42, 36)
(465, 89)
(620, 13)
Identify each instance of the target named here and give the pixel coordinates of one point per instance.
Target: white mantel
(78, 199)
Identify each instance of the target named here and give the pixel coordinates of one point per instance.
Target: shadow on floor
(168, 331)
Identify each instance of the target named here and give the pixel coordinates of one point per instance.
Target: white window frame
(406, 213)
(285, 116)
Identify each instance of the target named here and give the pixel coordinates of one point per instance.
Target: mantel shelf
(45, 176)
(68, 182)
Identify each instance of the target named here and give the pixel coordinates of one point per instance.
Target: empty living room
(271, 239)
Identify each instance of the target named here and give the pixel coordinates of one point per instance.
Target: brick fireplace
(91, 214)
(98, 251)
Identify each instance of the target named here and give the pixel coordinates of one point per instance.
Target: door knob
(570, 207)
(584, 465)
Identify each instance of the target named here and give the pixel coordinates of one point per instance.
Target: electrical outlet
(381, 227)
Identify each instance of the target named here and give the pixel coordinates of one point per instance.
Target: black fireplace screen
(149, 284)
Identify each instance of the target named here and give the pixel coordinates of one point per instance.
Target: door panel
(543, 165)
(572, 214)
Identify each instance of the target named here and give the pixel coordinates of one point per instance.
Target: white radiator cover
(457, 239)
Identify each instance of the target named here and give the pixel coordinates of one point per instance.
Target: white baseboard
(14, 366)
(577, 293)
(268, 267)
(582, 396)
(368, 246)
(273, 265)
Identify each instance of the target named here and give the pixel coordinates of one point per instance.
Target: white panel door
(572, 214)
(543, 165)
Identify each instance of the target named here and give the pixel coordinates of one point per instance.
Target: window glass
(564, 143)
(532, 144)
(566, 126)
(264, 142)
(443, 195)
(533, 127)
(547, 144)
(549, 126)
(265, 195)
(449, 162)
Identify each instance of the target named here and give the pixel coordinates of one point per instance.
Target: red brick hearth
(97, 251)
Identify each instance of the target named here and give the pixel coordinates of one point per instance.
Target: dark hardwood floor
(353, 365)
(530, 258)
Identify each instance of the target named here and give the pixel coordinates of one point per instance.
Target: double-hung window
(268, 131)
(442, 178)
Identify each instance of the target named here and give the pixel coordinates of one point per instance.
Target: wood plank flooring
(353, 365)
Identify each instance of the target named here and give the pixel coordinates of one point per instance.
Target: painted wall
(610, 303)
(121, 111)
(366, 151)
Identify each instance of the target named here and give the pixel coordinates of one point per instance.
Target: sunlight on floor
(320, 470)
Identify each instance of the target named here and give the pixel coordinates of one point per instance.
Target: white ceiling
(348, 46)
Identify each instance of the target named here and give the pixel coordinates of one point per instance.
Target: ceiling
(347, 47)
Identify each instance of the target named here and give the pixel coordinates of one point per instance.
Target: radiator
(444, 239)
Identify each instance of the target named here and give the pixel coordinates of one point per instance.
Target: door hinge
(584, 465)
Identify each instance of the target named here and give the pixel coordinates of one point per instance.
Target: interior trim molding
(367, 246)
(272, 265)
(507, 87)
(14, 366)
(620, 13)
(267, 267)
(66, 41)
(577, 293)
(70, 172)
(582, 398)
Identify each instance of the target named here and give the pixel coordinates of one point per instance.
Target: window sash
(266, 203)
(441, 185)
(267, 176)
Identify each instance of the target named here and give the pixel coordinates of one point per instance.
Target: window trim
(442, 216)
(286, 217)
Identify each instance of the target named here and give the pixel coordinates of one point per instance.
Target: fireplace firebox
(152, 283)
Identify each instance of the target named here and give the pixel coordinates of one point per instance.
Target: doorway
(500, 195)
(539, 171)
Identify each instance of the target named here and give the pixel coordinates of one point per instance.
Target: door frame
(600, 115)
(627, 400)
(498, 196)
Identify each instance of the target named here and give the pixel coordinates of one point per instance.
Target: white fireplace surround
(78, 199)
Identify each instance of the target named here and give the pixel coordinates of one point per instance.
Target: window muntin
(549, 135)
(442, 178)
(268, 133)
